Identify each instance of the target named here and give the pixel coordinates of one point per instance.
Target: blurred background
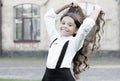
(24, 41)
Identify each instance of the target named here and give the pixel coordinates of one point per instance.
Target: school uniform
(63, 49)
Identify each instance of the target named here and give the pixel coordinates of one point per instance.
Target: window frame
(31, 27)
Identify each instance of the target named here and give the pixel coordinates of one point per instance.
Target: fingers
(74, 4)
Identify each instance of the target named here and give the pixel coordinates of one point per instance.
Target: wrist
(97, 8)
(67, 5)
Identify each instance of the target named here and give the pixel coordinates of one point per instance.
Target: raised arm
(50, 18)
(86, 27)
(95, 12)
(62, 7)
(66, 5)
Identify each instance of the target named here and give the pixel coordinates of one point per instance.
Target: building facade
(0, 27)
(22, 27)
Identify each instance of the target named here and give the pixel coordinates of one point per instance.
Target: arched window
(27, 23)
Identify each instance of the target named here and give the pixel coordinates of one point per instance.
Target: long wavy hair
(91, 42)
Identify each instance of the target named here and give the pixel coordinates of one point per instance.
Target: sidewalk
(33, 69)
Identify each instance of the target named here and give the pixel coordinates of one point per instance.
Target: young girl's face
(67, 26)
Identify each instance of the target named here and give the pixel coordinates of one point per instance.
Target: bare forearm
(61, 8)
(72, 3)
(95, 12)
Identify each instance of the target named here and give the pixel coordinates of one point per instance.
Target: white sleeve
(82, 32)
(50, 18)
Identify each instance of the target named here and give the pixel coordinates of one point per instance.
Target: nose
(65, 26)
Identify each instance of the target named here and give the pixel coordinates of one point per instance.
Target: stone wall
(0, 27)
(110, 38)
(119, 20)
(43, 54)
(8, 27)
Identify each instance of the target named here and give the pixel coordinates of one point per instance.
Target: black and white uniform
(63, 49)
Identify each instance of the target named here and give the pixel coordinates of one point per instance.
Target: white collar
(66, 37)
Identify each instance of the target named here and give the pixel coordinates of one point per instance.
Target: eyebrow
(69, 22)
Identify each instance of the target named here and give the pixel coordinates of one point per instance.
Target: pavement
(33, 69)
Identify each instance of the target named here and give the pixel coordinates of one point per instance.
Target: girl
(71, 44)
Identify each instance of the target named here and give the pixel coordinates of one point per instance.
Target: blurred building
(22, 27)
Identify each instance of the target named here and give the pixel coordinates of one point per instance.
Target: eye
(70, 25)
(63, 23)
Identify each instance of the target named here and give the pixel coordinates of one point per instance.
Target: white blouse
(75, 43)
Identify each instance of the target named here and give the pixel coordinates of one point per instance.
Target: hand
(74, 3)
(96, 11)
(97, 7)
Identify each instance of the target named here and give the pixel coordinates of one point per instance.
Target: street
(33, 69)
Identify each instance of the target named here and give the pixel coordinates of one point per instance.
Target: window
(27, 23)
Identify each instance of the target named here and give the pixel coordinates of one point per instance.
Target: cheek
(75, 30)
(60, 28)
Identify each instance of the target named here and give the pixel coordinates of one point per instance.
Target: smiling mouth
(62, 29)
(65, 30)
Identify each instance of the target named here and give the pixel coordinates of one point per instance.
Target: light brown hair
(91, 42)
